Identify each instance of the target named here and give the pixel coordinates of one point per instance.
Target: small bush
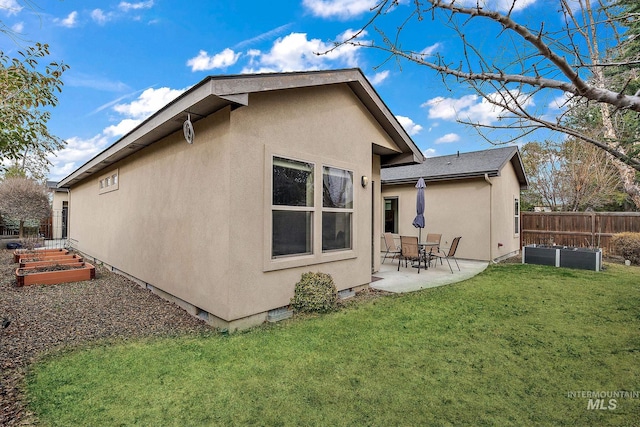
(628, 246)
(315, 293)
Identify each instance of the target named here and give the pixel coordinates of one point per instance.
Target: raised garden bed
(61, 259)
(52, 275)
(563, 256)
(37, 253)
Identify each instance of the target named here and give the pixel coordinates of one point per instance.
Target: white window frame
(317, 256)
(516, 216)
(109, 182)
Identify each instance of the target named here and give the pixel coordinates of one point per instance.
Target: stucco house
(223, 198)
(475, 195)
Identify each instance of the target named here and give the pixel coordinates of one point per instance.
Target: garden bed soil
(62, 260)
(39, 254)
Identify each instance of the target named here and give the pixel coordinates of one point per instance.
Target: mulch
(47, 318)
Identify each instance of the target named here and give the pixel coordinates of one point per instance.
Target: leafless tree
(569, 60)
(23, 199)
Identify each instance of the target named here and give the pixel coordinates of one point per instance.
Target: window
(391, 215)
(312, 204)
(516, 215)
(108, 182)
(337, 208)
(292, 207)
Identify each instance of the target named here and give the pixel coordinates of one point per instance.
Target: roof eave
(217, 92)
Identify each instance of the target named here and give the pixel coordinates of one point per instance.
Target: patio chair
(410, 251)
(450, 254)
(393, 250)
(429, 250)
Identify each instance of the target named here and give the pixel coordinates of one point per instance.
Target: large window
(298, 212)
(337, 208)
(292, 207)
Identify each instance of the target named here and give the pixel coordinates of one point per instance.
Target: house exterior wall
(506, 188)
(195, 220)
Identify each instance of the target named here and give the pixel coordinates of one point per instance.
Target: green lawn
(508, 347)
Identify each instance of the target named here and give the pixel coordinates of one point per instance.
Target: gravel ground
(44, 318)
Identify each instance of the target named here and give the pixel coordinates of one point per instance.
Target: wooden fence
(577, 229)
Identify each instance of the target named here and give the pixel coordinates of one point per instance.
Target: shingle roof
(458, 166)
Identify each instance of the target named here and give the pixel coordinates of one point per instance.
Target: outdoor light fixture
(364, 181)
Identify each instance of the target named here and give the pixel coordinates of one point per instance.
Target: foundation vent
(346, 293)
(279, 314)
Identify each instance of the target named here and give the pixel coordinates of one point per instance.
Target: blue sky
(128, 59)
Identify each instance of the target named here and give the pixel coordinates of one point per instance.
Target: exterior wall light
(364, 180)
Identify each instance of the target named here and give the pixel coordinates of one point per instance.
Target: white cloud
(430, 50)
(408, 125)
(448, 138)
(204, 62)
(342, 9)
(499, 5)
(121, 128)
(76, 153)
(100, 17)
(10, 7)
(70, 21)
(429, 152)
(149, 101)
(296, 53)
(561, 101)
(126, 6)
(379, 77)
(472, 108)
(17, 27)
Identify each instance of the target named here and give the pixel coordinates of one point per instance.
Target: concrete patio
(408, 280)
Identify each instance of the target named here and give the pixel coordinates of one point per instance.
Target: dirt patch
(45, 318)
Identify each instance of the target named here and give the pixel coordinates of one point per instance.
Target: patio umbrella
(418, 221)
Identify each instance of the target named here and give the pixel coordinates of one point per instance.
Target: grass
(504, 348)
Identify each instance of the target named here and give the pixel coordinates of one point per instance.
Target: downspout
(486, 178)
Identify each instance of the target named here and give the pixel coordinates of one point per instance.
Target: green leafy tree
(23, 199)
(26, 93)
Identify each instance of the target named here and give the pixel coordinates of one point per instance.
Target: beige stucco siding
(166, 216)
(194, 220)
(506, 189)
(456, 208)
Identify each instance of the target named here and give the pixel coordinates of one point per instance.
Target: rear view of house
(222, 199)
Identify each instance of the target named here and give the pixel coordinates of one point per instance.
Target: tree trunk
(21, 232)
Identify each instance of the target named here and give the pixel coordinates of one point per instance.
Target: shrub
(315, 293)
(628, 246)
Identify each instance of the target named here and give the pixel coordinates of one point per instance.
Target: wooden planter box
(26, 276)
(563, 256)
(62, 260)
(40, 253)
